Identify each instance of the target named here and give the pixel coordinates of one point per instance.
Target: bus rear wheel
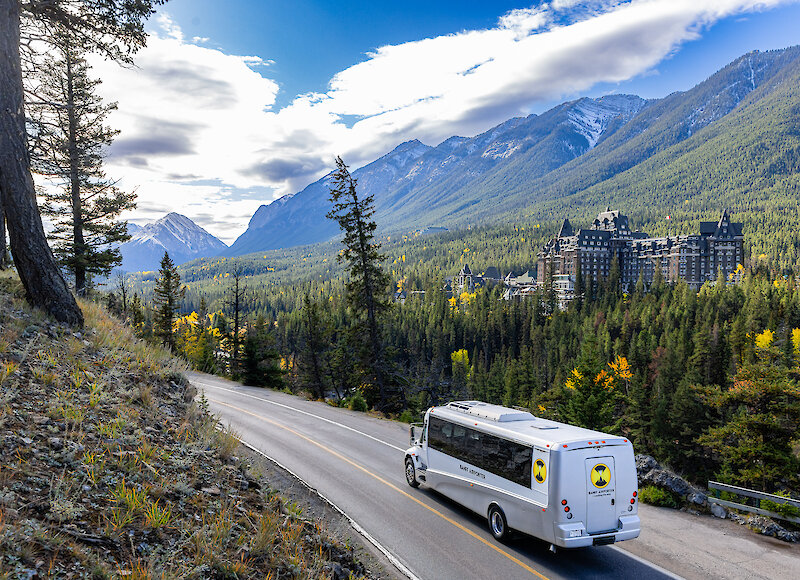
(498, 524)
(411, 473)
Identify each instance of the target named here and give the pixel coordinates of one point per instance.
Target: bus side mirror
(414, 434)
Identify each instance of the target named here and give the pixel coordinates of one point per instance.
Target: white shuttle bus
(567, 485)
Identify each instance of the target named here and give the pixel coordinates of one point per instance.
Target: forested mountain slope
(580, 156)
(416, 185)
(665, 123)
(748, 162)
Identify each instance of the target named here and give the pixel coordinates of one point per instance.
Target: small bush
(357, 403)
(784, 509)
(406, 416)
(658, 497)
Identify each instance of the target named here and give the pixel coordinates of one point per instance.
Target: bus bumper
(573, 535)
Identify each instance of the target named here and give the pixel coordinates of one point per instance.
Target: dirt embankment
(109, 468)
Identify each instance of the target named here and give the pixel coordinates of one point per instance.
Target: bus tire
(411, 473)
(498, 524)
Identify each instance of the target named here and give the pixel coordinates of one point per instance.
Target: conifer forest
(704, 381)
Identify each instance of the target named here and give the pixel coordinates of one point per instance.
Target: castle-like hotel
(695, 258)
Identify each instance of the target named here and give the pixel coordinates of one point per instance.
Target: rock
(56, 443)
(645, 463)
(788, 536)
(718, 511)
(698, 498)
(668, 481)
(30, 331)
(336, 571)
(213, 490)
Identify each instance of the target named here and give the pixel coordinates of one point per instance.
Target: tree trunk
(78, 244)
(37, 268)
(3, 246)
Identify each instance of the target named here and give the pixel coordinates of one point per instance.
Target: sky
(234, 104)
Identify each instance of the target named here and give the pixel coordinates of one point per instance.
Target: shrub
(658, 497)
(407, 416)
(357, 403)
(784, 509)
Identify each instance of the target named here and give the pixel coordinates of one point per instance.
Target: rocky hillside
(110, 468)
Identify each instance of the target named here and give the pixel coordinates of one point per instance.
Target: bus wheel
(411, 473)
(498, 524)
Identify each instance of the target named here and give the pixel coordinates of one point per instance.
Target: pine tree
(115, 29)
(167, 295)
(236, 297)
(315, 335)
(367, 287)
(260, 358)
(70, 135)
(762, 412)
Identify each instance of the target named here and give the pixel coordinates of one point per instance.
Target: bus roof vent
(491, 412)
(462, 405)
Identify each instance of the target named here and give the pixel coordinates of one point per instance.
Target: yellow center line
(388, 484)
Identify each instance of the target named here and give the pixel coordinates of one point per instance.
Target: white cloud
(190, 115)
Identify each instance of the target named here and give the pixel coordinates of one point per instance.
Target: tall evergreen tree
(315, 337)
(367, 287)
(68, 120)
(260, 358)
(236, 299)
(167, 294)
(115, 29)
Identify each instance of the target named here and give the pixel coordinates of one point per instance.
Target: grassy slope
(109, 468)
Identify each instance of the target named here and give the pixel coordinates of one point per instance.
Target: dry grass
(110, 469)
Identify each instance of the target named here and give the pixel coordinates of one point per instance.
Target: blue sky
(235, 103)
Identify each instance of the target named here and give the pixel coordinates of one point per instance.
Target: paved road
(356, 461)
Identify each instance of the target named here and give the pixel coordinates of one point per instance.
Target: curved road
(356, 461)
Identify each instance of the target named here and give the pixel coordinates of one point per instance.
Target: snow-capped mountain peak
(174, 233)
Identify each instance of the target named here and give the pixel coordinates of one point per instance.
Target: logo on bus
(601, 475)
(539, 471)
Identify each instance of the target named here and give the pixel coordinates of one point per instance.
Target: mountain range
(576, 157)
(174, 233)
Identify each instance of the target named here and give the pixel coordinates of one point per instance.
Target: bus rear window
(494, 454)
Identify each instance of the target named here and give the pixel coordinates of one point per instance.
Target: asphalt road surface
(356, 462)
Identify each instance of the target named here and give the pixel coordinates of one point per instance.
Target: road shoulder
(702, 547)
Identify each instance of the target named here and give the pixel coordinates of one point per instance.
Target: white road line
(647, 563)
(367, 435)
(385, 551)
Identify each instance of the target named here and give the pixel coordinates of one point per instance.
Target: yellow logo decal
(601, 475)
(539, 471)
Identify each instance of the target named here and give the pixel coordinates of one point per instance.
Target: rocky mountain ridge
(526, 164)
(173, 233)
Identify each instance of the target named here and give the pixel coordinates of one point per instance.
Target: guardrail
(752, 494)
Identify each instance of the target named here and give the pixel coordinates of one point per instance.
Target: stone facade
(695, 258)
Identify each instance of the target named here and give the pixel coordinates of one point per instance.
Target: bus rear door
(601, 511)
